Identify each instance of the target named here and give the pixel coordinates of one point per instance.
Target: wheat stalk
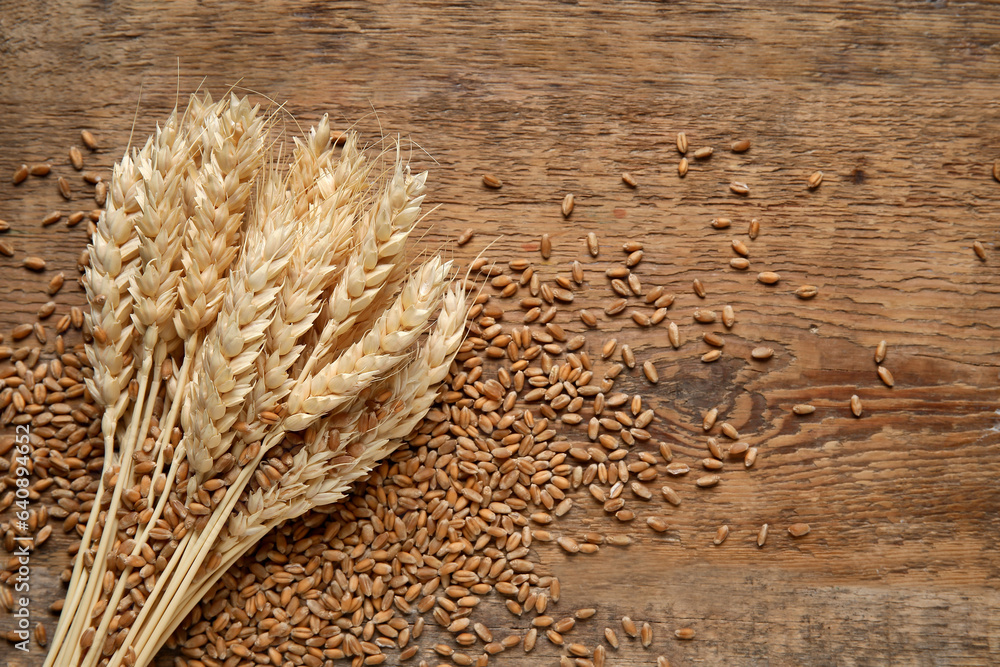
(227, 296)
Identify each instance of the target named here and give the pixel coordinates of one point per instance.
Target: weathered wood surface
(895, 102)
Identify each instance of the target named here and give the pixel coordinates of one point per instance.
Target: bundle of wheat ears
(242, 311)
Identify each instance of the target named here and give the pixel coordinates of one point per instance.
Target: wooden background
(896, 102)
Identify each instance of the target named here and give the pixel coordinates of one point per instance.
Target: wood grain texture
(895, 102)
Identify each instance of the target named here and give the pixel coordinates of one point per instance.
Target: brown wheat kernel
(714, 339)
(741, 146)
(670, 495)
(684, 633)
(628, 625)
(750, 457)
(740, 248)
(21, 331)
(803, 409)
(856, 408)
(762, 535)
(20, 174)
(568, 544)
(628, 179)
(588, 318)
(703, 153)
(708, 420)
(674, 335)
(798, 529)
(640, 490)
(682, 167)
(762, 353)
(75, 158)
(628, 357)
(46, 310)
(4, 226)
(740, 263)
(40, 635)
(806, 291)
(41, 169)
(661, 661)
(518, 264)
(880, 351)
(814, 180)
(615, 307)
(618, 272)
(576, 272)
(730, 431)
(707, 481)
(34, 263)
(634, 284)
(721, 533)
(711, 356)
(64, 190)
(75, 218)
(52, 218)
(715, 449)
(642, 319)
(6, 595)
(6, 248)
(728, 316)
(698, 288)
(657, 524)
(682, 143)
(101, 193)
(980, 251)
(585, 612)
(768, 277)
(739, 188)
(465, 236)
(885, 375)
(646, 634)
(634, 258)
(492, 182)
(546, 246)
(721, 223)
(92, 177)
(658, 316)
(739, 448)
(649, 370)
(592, 245)
(754, 229)
(88, 139)
(529, 639)
(996, 170)
(567, 205)
(609, 348)
(611, 637)
(705, 316)
(619, 287)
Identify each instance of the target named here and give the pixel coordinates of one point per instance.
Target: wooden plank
(894, 102)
